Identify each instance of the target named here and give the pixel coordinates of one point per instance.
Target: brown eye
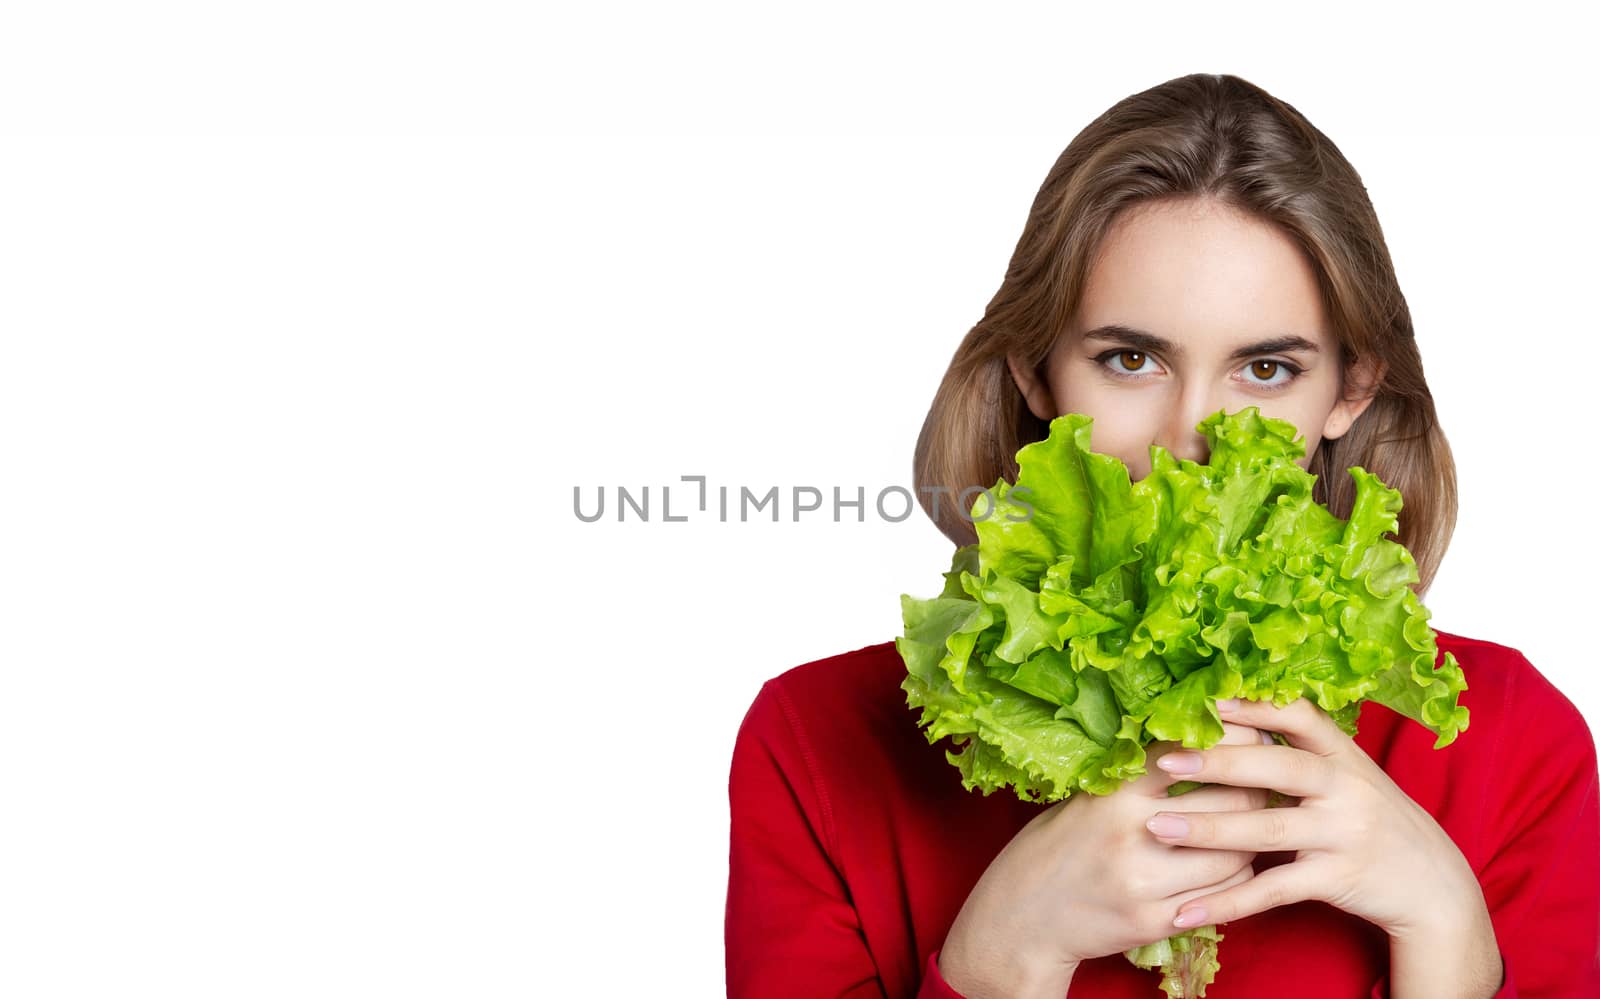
(1265, 369)
(1132, 360)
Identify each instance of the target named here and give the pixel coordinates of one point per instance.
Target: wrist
(1456, 953)
(1453, 903)
(1003, 975)
(1465, 915)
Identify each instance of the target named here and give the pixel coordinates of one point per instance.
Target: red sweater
(854, 845)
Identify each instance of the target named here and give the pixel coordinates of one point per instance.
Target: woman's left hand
(1361, 844)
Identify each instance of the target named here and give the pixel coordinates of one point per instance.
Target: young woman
(1200, 246)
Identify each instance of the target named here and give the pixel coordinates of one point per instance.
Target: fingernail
(1231, 704)
(1190, 917)
(1180, 763)
(1169, 826)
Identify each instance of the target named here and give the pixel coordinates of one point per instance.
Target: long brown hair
(1218, 137)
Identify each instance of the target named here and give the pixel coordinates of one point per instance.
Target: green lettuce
(1095, 615)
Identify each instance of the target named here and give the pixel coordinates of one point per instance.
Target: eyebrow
(1150, 343)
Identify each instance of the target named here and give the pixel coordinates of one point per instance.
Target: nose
(1178, 433)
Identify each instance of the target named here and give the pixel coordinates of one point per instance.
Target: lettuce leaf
(1096, 614)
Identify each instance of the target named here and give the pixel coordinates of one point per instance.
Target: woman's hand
(1361, 844)
(1083, 880)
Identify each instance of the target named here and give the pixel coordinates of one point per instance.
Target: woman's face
(1192, 307)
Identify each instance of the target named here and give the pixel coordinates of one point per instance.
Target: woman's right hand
(1085, 879)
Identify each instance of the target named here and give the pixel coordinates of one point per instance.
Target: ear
(1035, 390)
(1361, 382)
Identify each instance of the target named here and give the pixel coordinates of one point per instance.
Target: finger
(1156, 780)
(1275, 886)
(1153, 783)
(1180, 868)
(1265, 830)
(1241, 735)
(1277, 768)
(1306, 725)
(1238, 877)
(1214, 798)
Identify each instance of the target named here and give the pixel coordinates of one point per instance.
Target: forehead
(1200, 272)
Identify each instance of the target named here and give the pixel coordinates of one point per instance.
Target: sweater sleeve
(1542, 875)
(933, 984)
(790, 927)
(1541, 878)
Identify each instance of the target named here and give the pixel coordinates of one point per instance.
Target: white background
(315, 315)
